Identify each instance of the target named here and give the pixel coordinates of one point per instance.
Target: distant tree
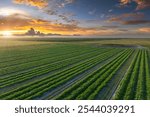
(38, 33)
(31, 32)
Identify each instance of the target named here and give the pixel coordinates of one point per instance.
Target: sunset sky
(76, 17)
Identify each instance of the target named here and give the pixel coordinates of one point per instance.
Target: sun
(7, 34)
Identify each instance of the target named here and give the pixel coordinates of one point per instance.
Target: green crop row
(124, 83)
(32, 64)
(147, 71)
(141, 84)
(66, 77)
(20, 53)
(41, 56)
(27, 51)
(131, 85)
(131, 89)
(79, 87)
(39, 87)
(110, 74)
(43, 70)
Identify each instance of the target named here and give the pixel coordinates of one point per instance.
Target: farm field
(75, 70)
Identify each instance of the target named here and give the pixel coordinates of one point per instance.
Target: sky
(76, 17)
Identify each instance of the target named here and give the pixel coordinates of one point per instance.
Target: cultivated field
(75, 70)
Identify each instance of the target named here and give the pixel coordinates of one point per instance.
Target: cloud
(36, 3)
(11, 11)
(51, 7)
(13, 21)
(48, 27)
(45, 3)
(123, 30)
(112, 27)
(129, 19)
(141, 4)
(126, 16)
(69, 1)
(110, 10)
(125, 2)
(92, 12)
(136, 22)
(64, 3)
(20, 23)
(144, 30)
(50, 11)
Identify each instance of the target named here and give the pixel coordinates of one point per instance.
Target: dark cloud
(135, 22)
(123, 30)
(129, 19)
(31, 32)
(51, 12)
(141, 4)
(126, 16)
(110, 27)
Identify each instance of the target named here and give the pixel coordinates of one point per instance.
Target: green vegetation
(133, 85)
(75, 71)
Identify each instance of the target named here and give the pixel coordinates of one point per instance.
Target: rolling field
(101, 70)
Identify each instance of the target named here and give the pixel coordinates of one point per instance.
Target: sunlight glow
(11, 11)
(7, 34)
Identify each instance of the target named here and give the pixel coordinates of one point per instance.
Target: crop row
(42, 59)
(39, 87)
(25, 51)
(147, 71)
(47, 54)
(141, 84)
(131, 85)
(43, 70)
(135, 84)
(46, 62)
(119, 94)
(20, 53)
(89, 87)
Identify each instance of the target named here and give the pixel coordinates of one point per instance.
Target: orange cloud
(13, 21)
(22, 25)
(129, 19)
(19, 23)
(124, 2)
(36, 3)
(135, 22)
(144, 30)
(126, 16)
(141, 4)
